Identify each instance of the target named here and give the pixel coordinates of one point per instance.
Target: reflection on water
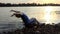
(50, 16)
(44, 14)
(47, 15)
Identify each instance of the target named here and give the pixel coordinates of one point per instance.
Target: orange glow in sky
(31, 1)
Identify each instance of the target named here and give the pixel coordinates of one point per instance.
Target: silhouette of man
(28, 22)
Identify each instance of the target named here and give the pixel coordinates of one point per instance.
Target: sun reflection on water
(49, 15)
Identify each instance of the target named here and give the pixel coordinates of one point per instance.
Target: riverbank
(41, 29)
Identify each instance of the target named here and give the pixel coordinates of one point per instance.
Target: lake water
(44, 14)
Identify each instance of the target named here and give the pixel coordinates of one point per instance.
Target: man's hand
(12, 15)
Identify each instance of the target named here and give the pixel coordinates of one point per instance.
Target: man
(27, 22)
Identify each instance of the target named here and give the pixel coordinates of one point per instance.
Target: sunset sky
(30, 1)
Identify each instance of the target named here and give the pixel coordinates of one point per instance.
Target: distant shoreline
(20, 6)
(26, 5)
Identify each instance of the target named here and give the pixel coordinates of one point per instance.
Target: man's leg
(33, 23)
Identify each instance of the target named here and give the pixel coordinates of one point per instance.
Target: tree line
(27, 4)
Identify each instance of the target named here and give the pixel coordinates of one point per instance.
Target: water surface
(40, 13)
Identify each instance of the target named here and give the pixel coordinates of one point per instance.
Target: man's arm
(15, 11)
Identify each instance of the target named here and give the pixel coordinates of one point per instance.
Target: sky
(30, 1)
